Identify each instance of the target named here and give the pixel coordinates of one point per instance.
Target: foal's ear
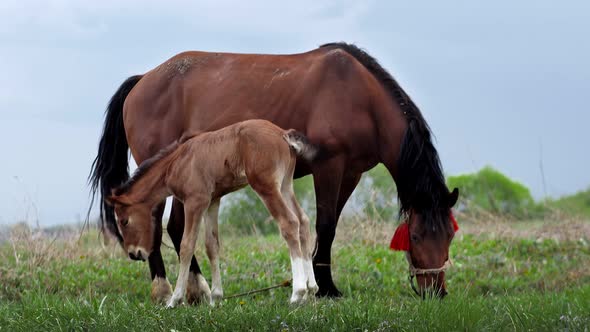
(113, 200)
(453, 197)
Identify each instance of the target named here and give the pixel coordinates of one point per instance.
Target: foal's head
(134, 200)
(136, 225)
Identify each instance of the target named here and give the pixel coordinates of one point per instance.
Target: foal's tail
(111, 165)
(302, 146)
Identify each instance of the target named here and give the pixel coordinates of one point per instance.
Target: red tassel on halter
(401, 238)
(454, 221)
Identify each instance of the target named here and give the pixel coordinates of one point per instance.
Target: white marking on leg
(299, 280)
(312, 286)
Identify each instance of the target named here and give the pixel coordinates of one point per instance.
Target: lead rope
(285, 283)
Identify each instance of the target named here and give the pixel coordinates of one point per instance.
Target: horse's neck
(391, 126)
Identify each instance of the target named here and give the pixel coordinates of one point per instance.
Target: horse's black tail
(111, 165)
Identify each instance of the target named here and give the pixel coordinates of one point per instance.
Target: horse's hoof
(331, 292)
(161, 290)
(197, 290)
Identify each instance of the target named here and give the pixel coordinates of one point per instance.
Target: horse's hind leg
(289, 226)
(212, 245)
(161, 288)
(197, 288)
(304, 233)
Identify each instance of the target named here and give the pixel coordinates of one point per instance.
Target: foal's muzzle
(137, 255)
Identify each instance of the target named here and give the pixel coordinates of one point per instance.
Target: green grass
(496, 284)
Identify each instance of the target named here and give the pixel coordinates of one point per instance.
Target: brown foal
(198, 171)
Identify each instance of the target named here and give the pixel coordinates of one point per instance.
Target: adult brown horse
(337, 95)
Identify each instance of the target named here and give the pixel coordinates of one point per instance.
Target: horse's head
(134, 222)
(426, 237)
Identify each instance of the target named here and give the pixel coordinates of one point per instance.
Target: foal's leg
(289, 226)
(161, 288)
(197, 287)
(212, 245)
(304, 233)
(193, 215)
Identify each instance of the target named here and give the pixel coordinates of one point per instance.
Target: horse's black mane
(145, 167)
(420, 178)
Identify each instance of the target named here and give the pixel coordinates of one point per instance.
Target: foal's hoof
(174, 301)
(312, 289)
(161, 290)
(299, 295)
(216, 296)
(197, 290)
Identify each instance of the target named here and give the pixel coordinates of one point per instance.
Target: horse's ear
(453, 197)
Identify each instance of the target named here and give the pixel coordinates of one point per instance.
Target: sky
(501, 83)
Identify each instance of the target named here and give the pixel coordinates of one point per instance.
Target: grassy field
(507, 276)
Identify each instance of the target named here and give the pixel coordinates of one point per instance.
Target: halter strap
(414, 271)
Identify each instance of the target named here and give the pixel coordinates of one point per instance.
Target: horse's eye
(124, 222)
(414, 237)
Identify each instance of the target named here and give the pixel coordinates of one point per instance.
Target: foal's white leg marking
(304, 238)
(212, 244)
(312, 286)
(299, 280)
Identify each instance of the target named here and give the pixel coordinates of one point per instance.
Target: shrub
(493, 191)
(577, 204)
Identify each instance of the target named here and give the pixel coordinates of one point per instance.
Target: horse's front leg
(161, 288)
(193, 211)
(212, 245)
(327, 178)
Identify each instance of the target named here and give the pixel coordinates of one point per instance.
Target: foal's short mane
(145, 167)
(420, 179)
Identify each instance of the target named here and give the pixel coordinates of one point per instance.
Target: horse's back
(201, 91)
